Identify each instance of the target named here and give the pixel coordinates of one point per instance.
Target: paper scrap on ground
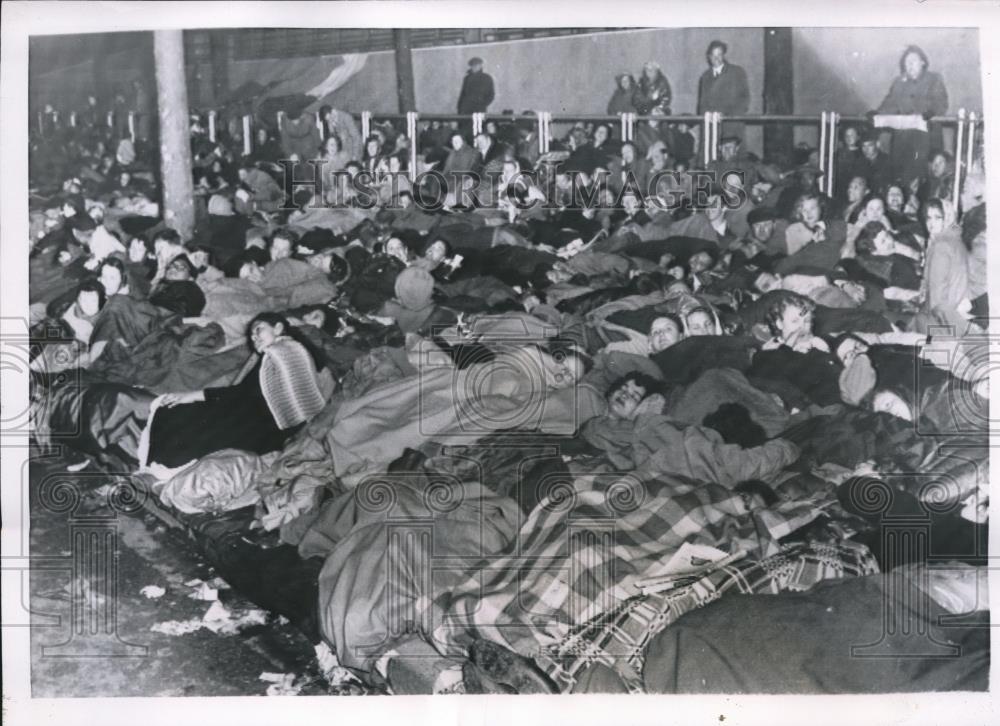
(334, 673)
(152, 591)
(282, 684)
(218, 618)
(204, 592)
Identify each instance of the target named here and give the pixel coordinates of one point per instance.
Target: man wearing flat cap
(477, 89)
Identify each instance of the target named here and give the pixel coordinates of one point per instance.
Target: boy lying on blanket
(638, 437)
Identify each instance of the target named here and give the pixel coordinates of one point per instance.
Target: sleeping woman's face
(663, 333)
(111, 279)
(699, 322)
(891, 403)
(562, 371)
(264, 334)
(624, 400)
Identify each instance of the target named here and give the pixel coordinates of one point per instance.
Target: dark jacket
(300, 136)
(651, 94)
(621, 101)
(477, 92)
(925, 96)
(729, 93)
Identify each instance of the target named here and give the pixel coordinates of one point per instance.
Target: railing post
(281, 120)
(716, 125)
(321, 127)
(366, 124)
(970, 142)
(131, 125)
(822, 151)
(72, 119)
(706, 137)
(411, 131)
(959, 152)
(832, 139)
(540, 115)
(111, 119)
(548, 131)
(247, 136)
(211, 126)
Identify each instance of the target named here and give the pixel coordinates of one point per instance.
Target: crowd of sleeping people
(698, 334)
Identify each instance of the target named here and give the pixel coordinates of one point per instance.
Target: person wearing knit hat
(413, 305)
(414, 288)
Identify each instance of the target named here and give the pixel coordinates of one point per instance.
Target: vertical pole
(247, 136)
(404, 70)
(111, 119)
(175, 142)
(716, 125)
(822, 150)
(540, 115)
(131, 125)
(832, 139)
(411, 131)
(970, 142)
(321, 127)
(211, 126)
(706, 137)
(959, 149)
(779, 91)
(366, 124)
(72, 119)
(281, 120)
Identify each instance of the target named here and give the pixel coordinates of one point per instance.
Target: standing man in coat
(723, 88)
(477, 89)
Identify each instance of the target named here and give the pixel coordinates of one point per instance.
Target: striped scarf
(288, 382)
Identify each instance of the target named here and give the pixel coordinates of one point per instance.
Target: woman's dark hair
(865, 243)
(335, 137)
(331, 320)
(648, 383)
(730, 320)
(340, 269)
(432, 240)
(913, 49)
(717, 44)
(761, 489)
(853, 218)
(272, 319)
(167, 235)
(116, 263)
(284, 233)
(776, 309)
(629, 76)
(92, 285)
(736, 426)
(933, 203)
(186, 261)
(834, 342)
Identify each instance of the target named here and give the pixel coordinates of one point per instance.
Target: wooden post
(175, 144)
(404, 70)
(779, 92)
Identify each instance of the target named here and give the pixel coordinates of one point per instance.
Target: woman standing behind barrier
(916, 91)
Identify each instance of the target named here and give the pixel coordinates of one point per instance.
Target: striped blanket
(584, 548)
(618, 638)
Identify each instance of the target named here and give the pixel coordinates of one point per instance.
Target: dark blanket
(799, 378)
(805, 643)
(683, 362)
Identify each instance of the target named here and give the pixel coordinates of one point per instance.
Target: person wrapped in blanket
(638, 437)
(277, 394)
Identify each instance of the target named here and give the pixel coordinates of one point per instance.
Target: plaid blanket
(582, 550)
(618, 638)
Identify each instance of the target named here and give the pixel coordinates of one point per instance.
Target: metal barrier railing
(967, 124)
